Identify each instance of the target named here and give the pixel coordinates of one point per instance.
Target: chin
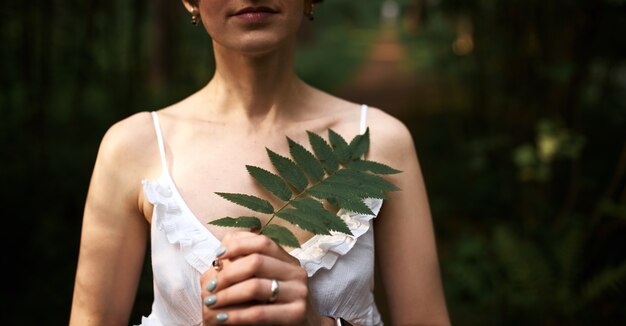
(259, 44)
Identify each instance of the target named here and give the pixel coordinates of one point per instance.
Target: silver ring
(274, 291)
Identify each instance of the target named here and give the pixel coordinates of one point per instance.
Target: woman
(156, 174)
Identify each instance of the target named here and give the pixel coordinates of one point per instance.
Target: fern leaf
(340, 147)
(336, 186)
(289, 171)
(348, 184)
(252, 202)
(359, 145)
(610, 279)
(250, 222)
(311, 166)
(356, 206)
(324, 152)
(270, 181)
(303, 221)
(374, 167)
(341, 200)
(339, 175)
(281, 235)
(316, 210)
(369, 179)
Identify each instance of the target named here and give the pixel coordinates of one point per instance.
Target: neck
(255, 89)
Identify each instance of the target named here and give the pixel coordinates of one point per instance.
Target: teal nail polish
(210, 300)
(220, 251)
(212, 284)
(221, 317)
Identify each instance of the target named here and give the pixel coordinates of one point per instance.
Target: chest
(203, 165)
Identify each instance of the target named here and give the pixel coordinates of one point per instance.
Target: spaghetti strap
(157, 129)
(363, 125)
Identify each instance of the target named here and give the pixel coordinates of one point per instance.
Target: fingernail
(221, 317)
(212, 284)
(220, 251)
(211, 300)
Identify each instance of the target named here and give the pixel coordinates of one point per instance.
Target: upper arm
(114, 233)
(405, 242)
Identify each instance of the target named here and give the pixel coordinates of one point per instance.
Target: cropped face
(252, 26)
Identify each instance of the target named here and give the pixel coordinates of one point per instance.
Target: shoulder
(130, 142)
(390, 138)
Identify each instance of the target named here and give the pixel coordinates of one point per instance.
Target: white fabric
(340, 267)
(363, 122)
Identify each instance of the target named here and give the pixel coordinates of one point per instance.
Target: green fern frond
(324, 152)
(374, 167)
(281, 235)
(314, 208)
(271, 182)
(249, 222)
(252, 202)
(311, 166)
(610, 279)
(340, 147)
(289, 171)
(359, 145)
(338, 175)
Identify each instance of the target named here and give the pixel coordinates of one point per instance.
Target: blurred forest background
(518, 110)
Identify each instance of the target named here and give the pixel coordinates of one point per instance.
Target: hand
(239, 293)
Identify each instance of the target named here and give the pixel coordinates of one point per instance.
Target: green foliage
(348, 181)
(611, 279)
(252, 202)
(249, 222)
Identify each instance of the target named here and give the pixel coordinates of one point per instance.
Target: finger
(240, 245)
(292, 313)
(218, 316)
(255, 291)
(258, 266)
(208, 278)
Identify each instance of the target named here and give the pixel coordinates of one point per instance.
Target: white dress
(340, 266)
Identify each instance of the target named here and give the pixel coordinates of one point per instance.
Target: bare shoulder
(391, 139)
(130, 142)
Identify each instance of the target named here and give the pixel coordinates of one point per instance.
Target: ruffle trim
(322, 251)
(196, 244)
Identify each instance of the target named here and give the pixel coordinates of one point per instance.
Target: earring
(310, 13)
(194, 16)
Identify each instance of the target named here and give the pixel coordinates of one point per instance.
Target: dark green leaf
(250, 222)
(342, 200)
(340, 147)
(369, 179)
(357, 206)
(289, 171)
(359, 145)
(317, 211)
(304, 221)
(281, 235)
(254, 203)
(271, 182)
(323, 151)
(374, 167)
(307, 161)
(340, 185)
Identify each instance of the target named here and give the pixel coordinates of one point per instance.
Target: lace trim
(196, 246)
(322, 251)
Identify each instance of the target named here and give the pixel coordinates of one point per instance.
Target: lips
(255, 10)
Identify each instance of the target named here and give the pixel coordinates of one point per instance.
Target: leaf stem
(291, 200)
